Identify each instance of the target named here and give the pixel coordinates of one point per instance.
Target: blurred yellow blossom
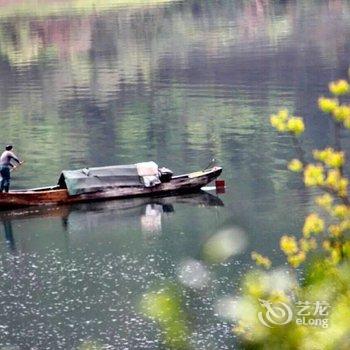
(295, 165)
(330, 157)
(339, 87)
(335, 256)
(346, 249)
(307, 244)
(341, 211)
(314, 175)
(255, 284)
(313, 224)
(326, 276)
(333, 178)
(283, 114)
(283, 122)
(327, 105)
(324, 201)
(165, 306)
(345, 225)
(326, 245)
(341, 113)
(279, 120)
(336, 182)
(335, 230)
(297, 259)
(288, 244)
(295, 125)
(278, 124)
(261, 260)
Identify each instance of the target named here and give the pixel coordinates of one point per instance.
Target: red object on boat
(220, 184)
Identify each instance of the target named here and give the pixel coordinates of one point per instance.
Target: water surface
(178, 82)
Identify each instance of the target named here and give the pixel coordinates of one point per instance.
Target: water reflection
(72, 293)
(142, 213)
(179, 82)
(10, 241)
(199, 87)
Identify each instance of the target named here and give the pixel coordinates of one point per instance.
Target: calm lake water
(180, 83)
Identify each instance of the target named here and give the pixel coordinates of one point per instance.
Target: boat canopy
(89, 180)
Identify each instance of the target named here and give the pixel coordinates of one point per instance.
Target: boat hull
(47, 196)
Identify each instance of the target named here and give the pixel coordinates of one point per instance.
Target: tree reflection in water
(10, 240)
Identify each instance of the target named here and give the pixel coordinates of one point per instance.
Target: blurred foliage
(165, 307)
(324, 247)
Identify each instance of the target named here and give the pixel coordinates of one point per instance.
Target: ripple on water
(55, 301)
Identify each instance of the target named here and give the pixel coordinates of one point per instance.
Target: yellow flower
(327, 105)
(338, 230)
(295, 165)
(343, 187)
(346, 249)
(297, 259)
(336, 182)
(295, 125)
(335, 256)
(279, 120)
(326, 245)
(341, 113)
(339, 87)
(307, 244)
(314, 175)
(261, 260)
(288, 245)
(319, 155)
(341, 211)
(278, 124)
(333, 178)
(281, 126)
(283, 114)
(324, 201)
(335, 230)
(313, 224)
(345, 225)
(330, 157)
(335, 159)
(274, 120)
(283, 123)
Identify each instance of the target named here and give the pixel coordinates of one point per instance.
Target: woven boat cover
(89, 180)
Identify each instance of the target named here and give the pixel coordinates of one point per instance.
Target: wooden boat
(199, 198)
(62, 193)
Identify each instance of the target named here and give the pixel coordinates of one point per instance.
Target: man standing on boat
(5, 167)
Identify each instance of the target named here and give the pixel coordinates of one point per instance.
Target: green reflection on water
(44, 8)
(177, 83)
